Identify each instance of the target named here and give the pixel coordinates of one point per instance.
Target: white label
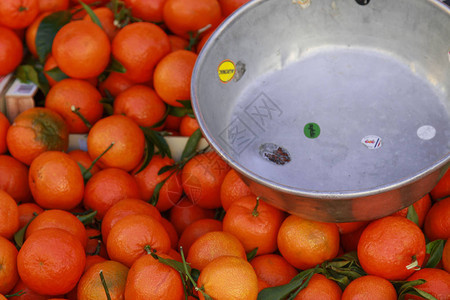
(426, 132)
(371, 141)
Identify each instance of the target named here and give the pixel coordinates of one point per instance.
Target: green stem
(96, 159)
(255, 212)
(76, 110)
(188, 274)
(148, 249)
(105, 286)
(18, 294)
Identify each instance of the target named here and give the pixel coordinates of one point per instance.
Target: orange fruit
(170, 229)
(127, 138)
(437, 221)
(90, 285)
(349, 227)
(255, 223)
(437, 283)
(95, 246)
(202, 179)
(82, 157)
(304, 243)
(93, 49)
(115, 83)
(18, 13)
(442, 188)
(177, 42)
(139, 47)
(212, 245)
(150, 279)
(30, 32)
(129, 237)
(27, 211)
(53, 5)
(106, 188)
(172, 123)
(91, 260)
(51, 255)
(229, 6)
(195, 230)
(4, 125)
(273, 269)
(9, 213)
(388, 246)
(320, 288)
(349, 241)
(8, 266)
(188, 16)
(369, 287)
(147, 10)
(123, 208)
(446, 256)
(11, 49)
(422, 206)
(228, 277)
(185, 212)
(188, 125)
(55, 218)
(28, 294)
(106, 18)
(141, 104)
(232, 188)
(56, 181)
(171, 191)
(14, 179)
(69, 94)
(34, 131)
(172, 76)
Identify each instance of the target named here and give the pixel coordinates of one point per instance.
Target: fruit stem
(17, 294)
(255, 212)
(22, 8)
(414, 264)
(96, 159)
(188, 274)
(148, 249)
(102, 278)
(76, 110)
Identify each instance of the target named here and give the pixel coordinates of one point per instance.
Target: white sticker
(371, 141)
(426, 132)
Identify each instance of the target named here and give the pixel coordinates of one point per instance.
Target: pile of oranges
(123, 220)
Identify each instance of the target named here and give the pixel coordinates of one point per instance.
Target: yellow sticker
(226, 70)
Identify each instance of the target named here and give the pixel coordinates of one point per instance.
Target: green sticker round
(311, 130)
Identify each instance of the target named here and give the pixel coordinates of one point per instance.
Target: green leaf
(171, 263)
(191, 144)
(405, 288)
(87, 217)
(115, 66)
(85, 172)
(155, 197)
(251, 254)
(435, 250)
(27, 73)
(148, 155)
(158, 141)
(56, 74)
(166, 169)
(412, 215)
(283, 291)
(185, 109)
(91, 14)
(47, 30)
(19, 236)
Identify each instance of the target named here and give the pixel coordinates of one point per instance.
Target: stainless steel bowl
(331, 110)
